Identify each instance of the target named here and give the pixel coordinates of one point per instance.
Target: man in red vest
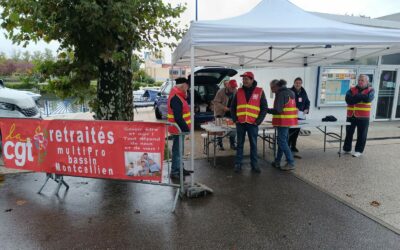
(284, 116)
(248, 110)
(358, 101)
(178, 114)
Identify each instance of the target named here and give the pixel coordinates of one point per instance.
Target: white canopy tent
(278, 34)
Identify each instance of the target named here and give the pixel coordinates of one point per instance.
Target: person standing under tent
(303, 106)
(358, 99)
(222, 102)
(179, 114)
(248, 110)
(284, 115)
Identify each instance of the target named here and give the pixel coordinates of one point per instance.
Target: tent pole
(192, 111)
(197, 10)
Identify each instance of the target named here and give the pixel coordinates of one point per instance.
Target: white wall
(309, 76)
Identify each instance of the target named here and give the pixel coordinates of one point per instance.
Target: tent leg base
(197, 190)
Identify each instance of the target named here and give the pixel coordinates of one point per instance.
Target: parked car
(207, 83)
(145, 97)
(19, 104)
(160, 103)
(151, 94)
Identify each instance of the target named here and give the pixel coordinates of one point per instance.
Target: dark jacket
(354, 99)
(302, 101)
(177, 108)
(281, 98)
(248, 92)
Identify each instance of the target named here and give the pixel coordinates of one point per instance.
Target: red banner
(100, 149)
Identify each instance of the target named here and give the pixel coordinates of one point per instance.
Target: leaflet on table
(301, 115)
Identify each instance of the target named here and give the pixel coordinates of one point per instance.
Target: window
(393, 59)
(174, 72)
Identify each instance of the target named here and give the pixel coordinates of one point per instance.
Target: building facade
(155, 67)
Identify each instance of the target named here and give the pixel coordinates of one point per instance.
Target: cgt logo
(18, 148)
(20, 151)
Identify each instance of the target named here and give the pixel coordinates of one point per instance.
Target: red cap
(248, 74)
(232, 83)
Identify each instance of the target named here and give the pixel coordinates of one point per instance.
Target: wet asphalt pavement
(271, 210)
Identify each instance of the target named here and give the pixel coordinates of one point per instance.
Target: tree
(3, 57)
(48, 55)
(141, 76)
(16, 55)
(7, 68)
(136, 62)
(102, 34)
(37, 57)
(26, 56)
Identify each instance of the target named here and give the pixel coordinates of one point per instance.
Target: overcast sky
(219, 9)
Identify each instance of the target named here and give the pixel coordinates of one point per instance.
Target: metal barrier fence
(54, 106)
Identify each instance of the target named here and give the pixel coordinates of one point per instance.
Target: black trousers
(362, 132)
(293, 134)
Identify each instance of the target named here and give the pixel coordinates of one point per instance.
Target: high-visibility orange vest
(288, 117)
(361, 109)
(185, 109)
(247, 112)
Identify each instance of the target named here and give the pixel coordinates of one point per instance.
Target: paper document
(301, 115)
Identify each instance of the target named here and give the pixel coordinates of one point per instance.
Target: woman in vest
(358, 101)
(284, 115)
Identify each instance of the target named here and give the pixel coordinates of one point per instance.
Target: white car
(18, 104)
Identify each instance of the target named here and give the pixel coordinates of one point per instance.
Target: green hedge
(22, 85)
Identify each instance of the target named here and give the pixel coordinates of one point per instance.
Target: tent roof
(363, 21)
(277, 33)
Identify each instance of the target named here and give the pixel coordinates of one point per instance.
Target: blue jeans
(252, 131)
(283, 146)
(176, 154)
